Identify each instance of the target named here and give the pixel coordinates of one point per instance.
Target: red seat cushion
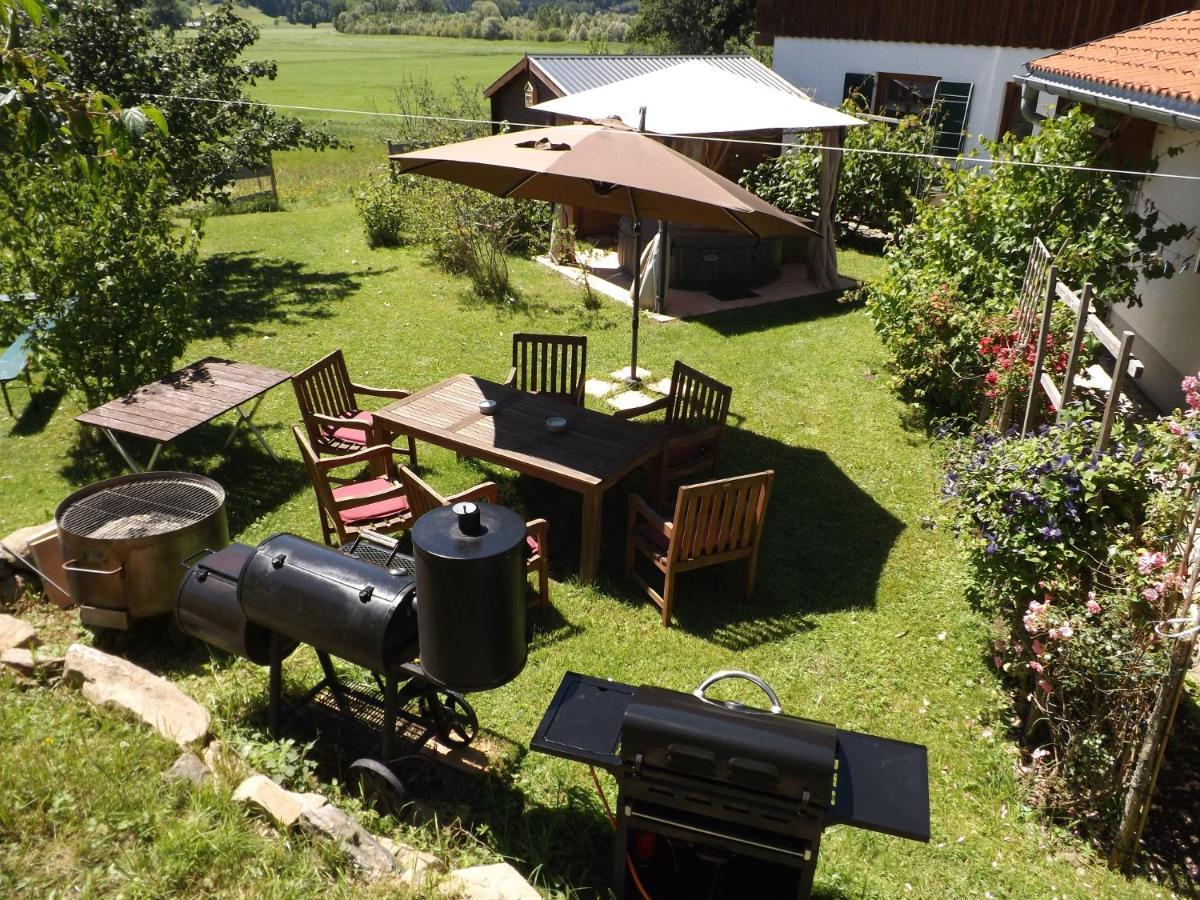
(380, 509)
(653, 538)
(532, 545)
(678, 456)
(350, 435)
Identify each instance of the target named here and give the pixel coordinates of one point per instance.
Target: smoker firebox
(721, 800)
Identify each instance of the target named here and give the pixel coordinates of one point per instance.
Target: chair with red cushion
(696, 409)
(715, 522)
(424, 498)
(378, 502)
(335, 422)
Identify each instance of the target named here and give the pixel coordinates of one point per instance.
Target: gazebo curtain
(822, 251)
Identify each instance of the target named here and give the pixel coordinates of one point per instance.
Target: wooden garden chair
(715, 522)
(424, 498)
(551, 364)
(347, 506)
(697, 407)
(335, 421)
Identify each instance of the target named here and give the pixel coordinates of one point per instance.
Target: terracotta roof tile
(1160, 58)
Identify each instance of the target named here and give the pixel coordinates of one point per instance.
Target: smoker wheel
(378, 785)
(452, 717)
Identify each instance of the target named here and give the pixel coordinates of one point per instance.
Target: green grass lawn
(858, 619)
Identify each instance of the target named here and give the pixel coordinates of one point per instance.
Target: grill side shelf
(882, 785)
(583, 721)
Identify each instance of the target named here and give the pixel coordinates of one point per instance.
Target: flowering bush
(976, 240)
(1076, 555)
(1010, 361)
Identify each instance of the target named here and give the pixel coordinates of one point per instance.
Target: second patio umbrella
(607, 169)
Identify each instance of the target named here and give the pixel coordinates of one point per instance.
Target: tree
(109, 46)
(694, 26)
(169, 14)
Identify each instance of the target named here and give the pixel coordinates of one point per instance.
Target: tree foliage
(109, 45)
(694, 26)
(875, 189)
(89, 255)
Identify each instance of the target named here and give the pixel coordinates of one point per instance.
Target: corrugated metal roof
(572, 74)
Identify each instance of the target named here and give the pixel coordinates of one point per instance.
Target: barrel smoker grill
(460, 599)
(721, 800)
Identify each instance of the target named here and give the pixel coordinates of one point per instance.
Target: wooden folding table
(187, 399)
(592, 455)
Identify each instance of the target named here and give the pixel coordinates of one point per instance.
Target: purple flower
(1051, 532)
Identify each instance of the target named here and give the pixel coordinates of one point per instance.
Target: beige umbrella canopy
(607, 169)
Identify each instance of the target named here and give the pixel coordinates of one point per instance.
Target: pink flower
(1148, 562)
(998, 662)
(1150, 594)
(1190, 384)
(1093, 607)
(1184, 470)
(1040, 753)
(1053, 634)
(1046, 686)
(1036, 666)
(1037, 647)
(1176, 428)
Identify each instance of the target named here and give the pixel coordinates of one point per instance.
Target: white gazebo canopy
(694, 98)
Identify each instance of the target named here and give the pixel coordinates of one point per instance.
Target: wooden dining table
(593, 453)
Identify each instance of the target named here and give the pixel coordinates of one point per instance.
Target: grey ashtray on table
(487, 407)
(557, 424)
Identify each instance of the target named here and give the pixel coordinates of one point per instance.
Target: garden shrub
(103, 273)
(974, 245)
(381, 206)
(1075, 555)
(873, 189)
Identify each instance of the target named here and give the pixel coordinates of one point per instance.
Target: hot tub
(705, 259)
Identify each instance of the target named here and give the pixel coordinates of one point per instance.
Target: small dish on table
(557, 424)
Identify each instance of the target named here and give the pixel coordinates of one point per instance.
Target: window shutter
(953, 102)
(859, 83)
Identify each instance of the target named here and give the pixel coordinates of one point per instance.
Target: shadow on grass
(734, 322)
(37, 412)
(825, 544)
(1169, 841)
(243, 289)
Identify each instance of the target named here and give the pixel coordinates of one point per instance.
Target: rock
(16, 633)
(413, 867)
(368, 854)
(24, 661)
(188, 768)
(284, 806)
(18, 543)
(496, 882)
(115, 682)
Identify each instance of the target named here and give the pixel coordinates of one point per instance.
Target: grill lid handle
(733, 704)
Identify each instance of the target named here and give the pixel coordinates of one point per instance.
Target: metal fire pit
(124, 539)
(722, 800)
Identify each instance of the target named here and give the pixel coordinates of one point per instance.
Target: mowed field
(323, 70)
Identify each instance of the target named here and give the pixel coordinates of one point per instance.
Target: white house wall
(821, 65)
(1167, 324)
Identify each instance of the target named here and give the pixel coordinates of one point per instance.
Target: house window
(898, 96)
(531, 97)
(1011, 120)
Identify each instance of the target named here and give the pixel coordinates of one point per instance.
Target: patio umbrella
(607, 169)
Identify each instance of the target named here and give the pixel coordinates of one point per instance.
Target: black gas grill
(720, 800)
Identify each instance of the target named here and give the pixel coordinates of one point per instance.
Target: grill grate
(141, 509)
(382, 551)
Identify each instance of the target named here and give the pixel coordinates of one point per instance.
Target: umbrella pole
(632, 380)
(660, 288)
